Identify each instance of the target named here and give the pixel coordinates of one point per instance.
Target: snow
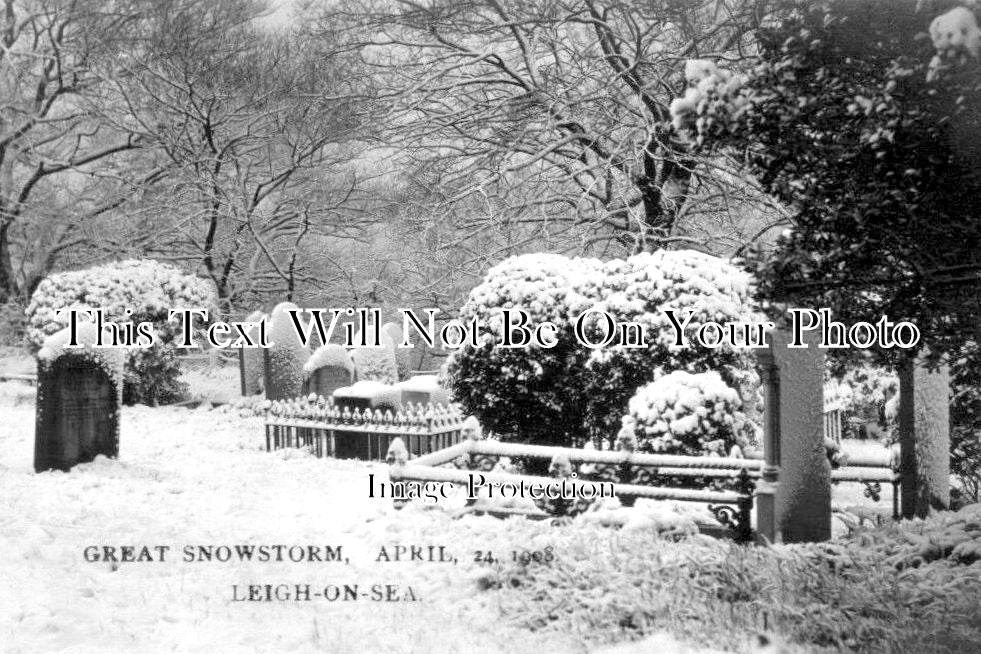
(147, 287)
(328, 355)
(203, 478)
(372, 389)
(684, 408)
(708, 87)
(956, 30)
(420, 384)
(282, 331)
(110, 359)
(549, 287)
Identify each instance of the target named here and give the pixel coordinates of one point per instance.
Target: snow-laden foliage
(871, 388)
(956, 31)
(150, 290)
(528, 394)
(647, 286)
(110, 359)
(683, 413)
(376, 363)
(563, 394)
(710, 90)
(862, 116)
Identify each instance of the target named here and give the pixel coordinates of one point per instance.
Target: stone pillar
(766, 487)
(924, 438)
(329, 369)
(802, 502)
(251, 361)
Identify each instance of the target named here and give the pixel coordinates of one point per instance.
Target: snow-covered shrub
(714, 97)
(528, 394)
(564, 394)
(149, 289)
(683, 413)
(376, 363)
(869, 394)
(285, 357)
(641, 291)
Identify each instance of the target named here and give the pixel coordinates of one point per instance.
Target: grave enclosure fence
(331, 430)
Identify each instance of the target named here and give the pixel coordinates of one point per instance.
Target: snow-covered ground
(201, 477)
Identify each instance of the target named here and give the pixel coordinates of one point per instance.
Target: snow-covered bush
(641, 291)
(376, 363)
(149, 290)
(528, 394)
(870, 394)
(568, 393)
(683, 413)
(714, 97)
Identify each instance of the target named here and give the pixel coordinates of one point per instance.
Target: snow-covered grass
(201, 477)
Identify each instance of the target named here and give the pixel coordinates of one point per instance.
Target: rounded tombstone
(329, 369)
(79, 394)
(285, 356)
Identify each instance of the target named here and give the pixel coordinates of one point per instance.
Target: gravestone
(250, 361)
(355, 444)
(423, 389)
(283, 360)
(329, 369)
(794, 495)
(369, 395)
(924, 437)
(79, 393)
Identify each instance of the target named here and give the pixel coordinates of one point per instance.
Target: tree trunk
(663, 191)
(8, 285)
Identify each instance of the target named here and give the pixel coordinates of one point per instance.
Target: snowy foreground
(200, 477)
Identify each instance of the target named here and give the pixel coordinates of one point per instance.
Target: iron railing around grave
(330, 430)
(632, 475)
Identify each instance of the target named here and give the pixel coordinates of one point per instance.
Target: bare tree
(255, 129)
(557, 110)
(49, 142)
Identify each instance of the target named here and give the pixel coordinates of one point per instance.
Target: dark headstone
(78, 400)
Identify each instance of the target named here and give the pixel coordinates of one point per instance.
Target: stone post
(924, 438)
(766, 487)
(251, 362)
(802, 499)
